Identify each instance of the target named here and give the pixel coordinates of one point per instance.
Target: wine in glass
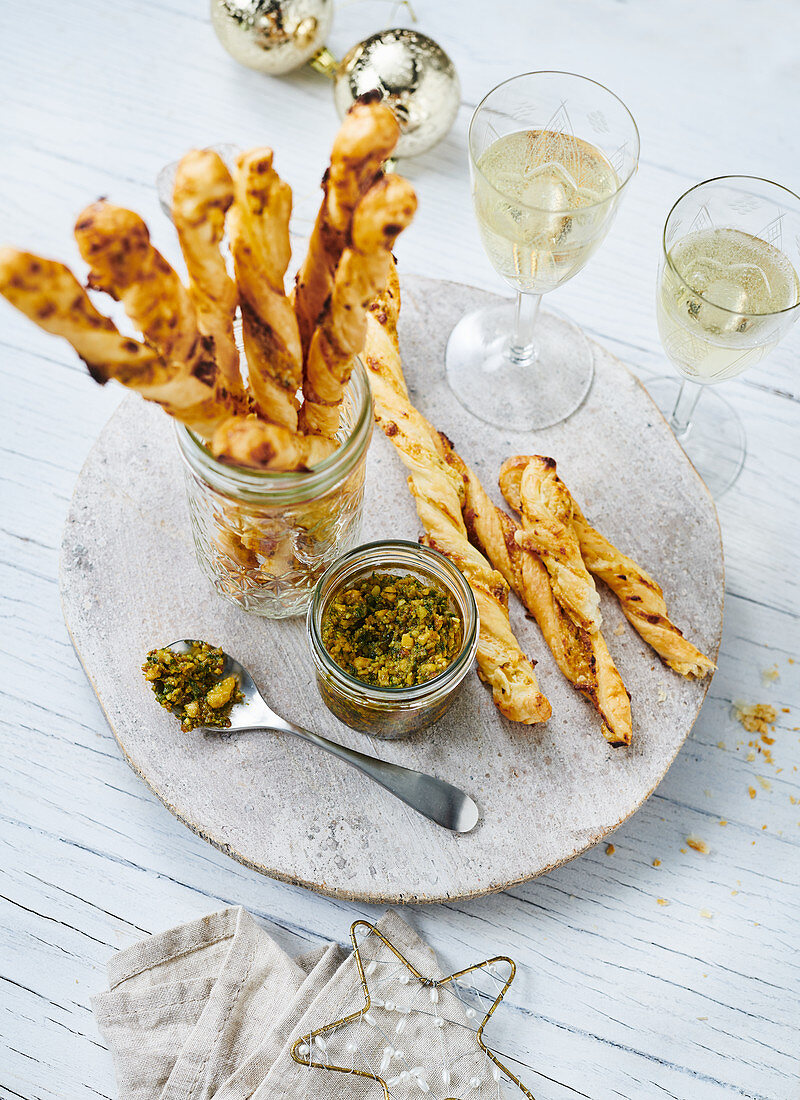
(728, 291)
(550, 155)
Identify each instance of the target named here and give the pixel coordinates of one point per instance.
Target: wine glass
(550, 156)
(728, 292)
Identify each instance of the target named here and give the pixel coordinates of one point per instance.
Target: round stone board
(129, 582)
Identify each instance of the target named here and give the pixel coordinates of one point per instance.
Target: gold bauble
(414, 76)
(273, 36)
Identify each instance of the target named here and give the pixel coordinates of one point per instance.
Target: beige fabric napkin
(210, 1009)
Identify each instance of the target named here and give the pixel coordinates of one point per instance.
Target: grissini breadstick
(259, 228)
(641, 599)
(582, 657)
(382, 214)
(367, 136)
(246, 441)
(438, 490)
(202, 194)
(383, 314)
(115, 243)
(640, 596)
(546, 510)
(48, 293)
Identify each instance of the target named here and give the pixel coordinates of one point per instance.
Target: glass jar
(265, 538)
(386, 712)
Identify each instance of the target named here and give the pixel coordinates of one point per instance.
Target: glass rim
(285, 486)
(531, 206)
(454, 580)
(668, 259)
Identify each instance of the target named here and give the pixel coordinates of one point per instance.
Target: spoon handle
(433, 798)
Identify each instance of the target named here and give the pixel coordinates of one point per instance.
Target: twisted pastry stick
(259, 226)
(115, 243)
(48, 293)
(363, 270)
(246, 441)
(582, 657)
(438, 492)
(382, 340)
(201, 196)
(641, 599)
(546, 508)
(368, 135)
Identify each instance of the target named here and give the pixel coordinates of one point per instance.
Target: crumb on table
(755, 717)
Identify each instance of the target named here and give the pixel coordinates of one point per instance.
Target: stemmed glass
(728, 291)
(550, 156)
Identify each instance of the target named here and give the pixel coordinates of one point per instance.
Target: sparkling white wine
(544, 201)
(717, 302)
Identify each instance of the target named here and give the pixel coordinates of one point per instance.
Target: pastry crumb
(706, 913)
(770, 675)
(723, 821)
(619, 629)
(721, 745)
(764, 783)
(610, 849)
(697, 844)
(750, 756)
(662, 901)
(662, 693)
(751, 791)
(656, 862)
(755, 717)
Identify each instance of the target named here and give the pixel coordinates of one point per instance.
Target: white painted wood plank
(96, 98)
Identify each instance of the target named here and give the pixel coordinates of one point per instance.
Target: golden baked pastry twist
(246, 441)
(48, 293)
(202, 194)
(641, 599)
(367, 136)
(438, 491)
(582, 657)
(545, 505)
(383, 342)
(385, 210)
(258, 223)
(116, 245)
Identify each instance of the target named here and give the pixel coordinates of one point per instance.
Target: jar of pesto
(393, 630)
(265, 538)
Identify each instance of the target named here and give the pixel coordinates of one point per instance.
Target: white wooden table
(619, 995)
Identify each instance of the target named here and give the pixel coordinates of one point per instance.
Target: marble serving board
(129, 582)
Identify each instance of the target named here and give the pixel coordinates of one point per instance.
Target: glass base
(715, 443)
(520, 396)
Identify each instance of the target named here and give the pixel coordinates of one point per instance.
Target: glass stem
(523, 349)
(681, 419)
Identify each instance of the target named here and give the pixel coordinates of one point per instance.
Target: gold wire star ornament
(405, 1008)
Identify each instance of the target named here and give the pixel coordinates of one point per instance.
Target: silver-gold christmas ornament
(272, 36)
(414, 76)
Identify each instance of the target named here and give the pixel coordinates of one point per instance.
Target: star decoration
(403, 1006)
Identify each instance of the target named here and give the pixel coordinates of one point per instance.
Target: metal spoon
(433, 798)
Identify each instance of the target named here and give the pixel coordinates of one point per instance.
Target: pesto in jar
(190, 685)
(391, 631)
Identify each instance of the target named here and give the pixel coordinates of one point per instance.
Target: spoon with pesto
(206, 689)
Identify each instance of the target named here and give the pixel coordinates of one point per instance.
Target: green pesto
(189, 685)
(391, 631)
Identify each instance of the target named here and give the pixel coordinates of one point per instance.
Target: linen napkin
(210, 1009)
